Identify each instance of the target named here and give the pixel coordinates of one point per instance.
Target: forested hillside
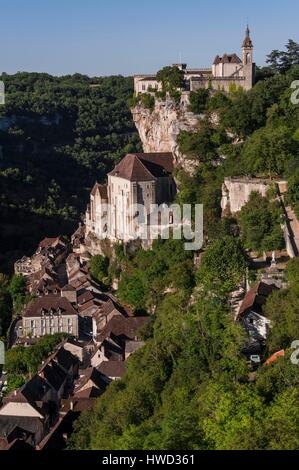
(190, 386)
(58, 135)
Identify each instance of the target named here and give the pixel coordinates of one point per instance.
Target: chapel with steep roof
(143, 179)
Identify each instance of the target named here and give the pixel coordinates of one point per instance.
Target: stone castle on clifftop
(227, 70)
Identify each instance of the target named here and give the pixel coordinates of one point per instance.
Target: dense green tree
(268, 150)
(203, 145)
(132, 290)
(99, 268)
(223, 266)
(60, 134)
(282, 310)
(260, 221)
(282, 61)
(18, 292)
(199, 100)
(5, 305)
(172, 79)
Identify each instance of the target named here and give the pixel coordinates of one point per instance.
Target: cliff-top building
(227, 70)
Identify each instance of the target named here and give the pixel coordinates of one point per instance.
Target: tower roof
(247, 41)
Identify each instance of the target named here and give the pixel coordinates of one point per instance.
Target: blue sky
(103, 37)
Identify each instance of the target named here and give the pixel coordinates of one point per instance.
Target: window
(143, 87)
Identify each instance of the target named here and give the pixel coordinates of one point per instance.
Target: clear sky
(104, 37)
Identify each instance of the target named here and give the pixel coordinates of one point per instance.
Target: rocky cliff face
(159, 129)
(236, 192)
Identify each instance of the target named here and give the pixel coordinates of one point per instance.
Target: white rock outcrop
(159, 128)
(236, 192)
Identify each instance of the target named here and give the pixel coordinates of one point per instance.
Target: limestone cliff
(159, 128)
(236, 192)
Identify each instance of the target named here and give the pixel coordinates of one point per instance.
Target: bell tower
(247, 49)
(247, 61)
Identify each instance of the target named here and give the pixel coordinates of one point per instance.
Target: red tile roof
(256, 298)
(102, 189)
(227, 59)
(48, 242)
(144, 167)
(113, 369)
(54, 302)
(121, 326)
(274, 357)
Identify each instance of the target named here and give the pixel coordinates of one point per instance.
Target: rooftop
(144, 166)
(51, 304)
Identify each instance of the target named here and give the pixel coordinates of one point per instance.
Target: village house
(50, 315)
(251, 316)
(111, 342)
(104, 314)
(227, 71)
(114, 370)
(91, 384)
(28, 414)
(49, 254)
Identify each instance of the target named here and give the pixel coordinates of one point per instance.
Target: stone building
(50, 315)
(139, 179)
(49, 254)
(227, 70)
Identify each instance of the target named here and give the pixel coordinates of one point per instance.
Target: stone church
(227, 70)
(143, 179)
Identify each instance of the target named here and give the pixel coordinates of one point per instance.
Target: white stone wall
(47, 325)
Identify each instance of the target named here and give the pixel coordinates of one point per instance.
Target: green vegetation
(282, 61)
(293, 191)
(189, 387)
(22, 361)
(58, 136)
(198, 101)
(148, 274)
(19, 295)
(172, 79)
(145, 99)
(223, 266)
(260, 221)
(5, 305)
(99, 268)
